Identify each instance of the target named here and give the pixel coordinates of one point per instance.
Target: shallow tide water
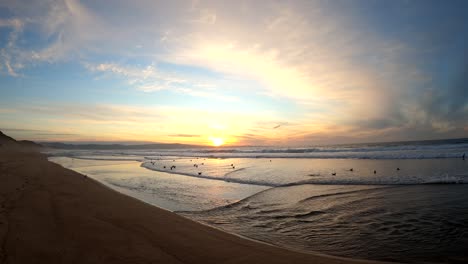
(410, 223)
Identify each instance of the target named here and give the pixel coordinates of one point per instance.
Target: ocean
(396, 201)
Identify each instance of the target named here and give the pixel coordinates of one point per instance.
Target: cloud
(184, 135)
(149, 79)
(16, 26)
(13, 23)
(65, 30)
(156, 123)
(71, 121)
(20, 130)
(318, 67)
(447, 108)
(36, 134)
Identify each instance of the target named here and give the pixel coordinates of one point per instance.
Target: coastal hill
(6, 140)
(10, 143)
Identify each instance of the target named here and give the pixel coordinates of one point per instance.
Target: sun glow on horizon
(217, 141)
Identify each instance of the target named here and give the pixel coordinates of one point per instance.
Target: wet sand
(49, 214)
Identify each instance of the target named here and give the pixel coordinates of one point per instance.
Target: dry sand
(49, 214)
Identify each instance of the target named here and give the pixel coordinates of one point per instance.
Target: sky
(293, 73)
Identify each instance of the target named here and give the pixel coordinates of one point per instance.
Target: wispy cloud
(292, 58)
(150, 79)
(147, 79)
(37, 134)
(20, 130)
(67, 30)
(7, 52)
(184, 135)
(156, 123)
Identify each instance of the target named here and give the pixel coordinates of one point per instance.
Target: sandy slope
(49, 214)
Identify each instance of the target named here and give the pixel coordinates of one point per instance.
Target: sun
(217, 141)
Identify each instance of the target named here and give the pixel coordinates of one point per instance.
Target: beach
(233, 131)
(50, 214)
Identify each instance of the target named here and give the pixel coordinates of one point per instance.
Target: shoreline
(50, 214)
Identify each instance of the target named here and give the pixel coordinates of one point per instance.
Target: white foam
(150, 166)
(296, 171)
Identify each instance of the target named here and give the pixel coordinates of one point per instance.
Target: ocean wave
(390, 180)
(328, 155)
(334, 149)
(440, 151)
(444, 149)
(269, 195)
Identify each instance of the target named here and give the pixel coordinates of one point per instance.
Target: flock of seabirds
(173, 167)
